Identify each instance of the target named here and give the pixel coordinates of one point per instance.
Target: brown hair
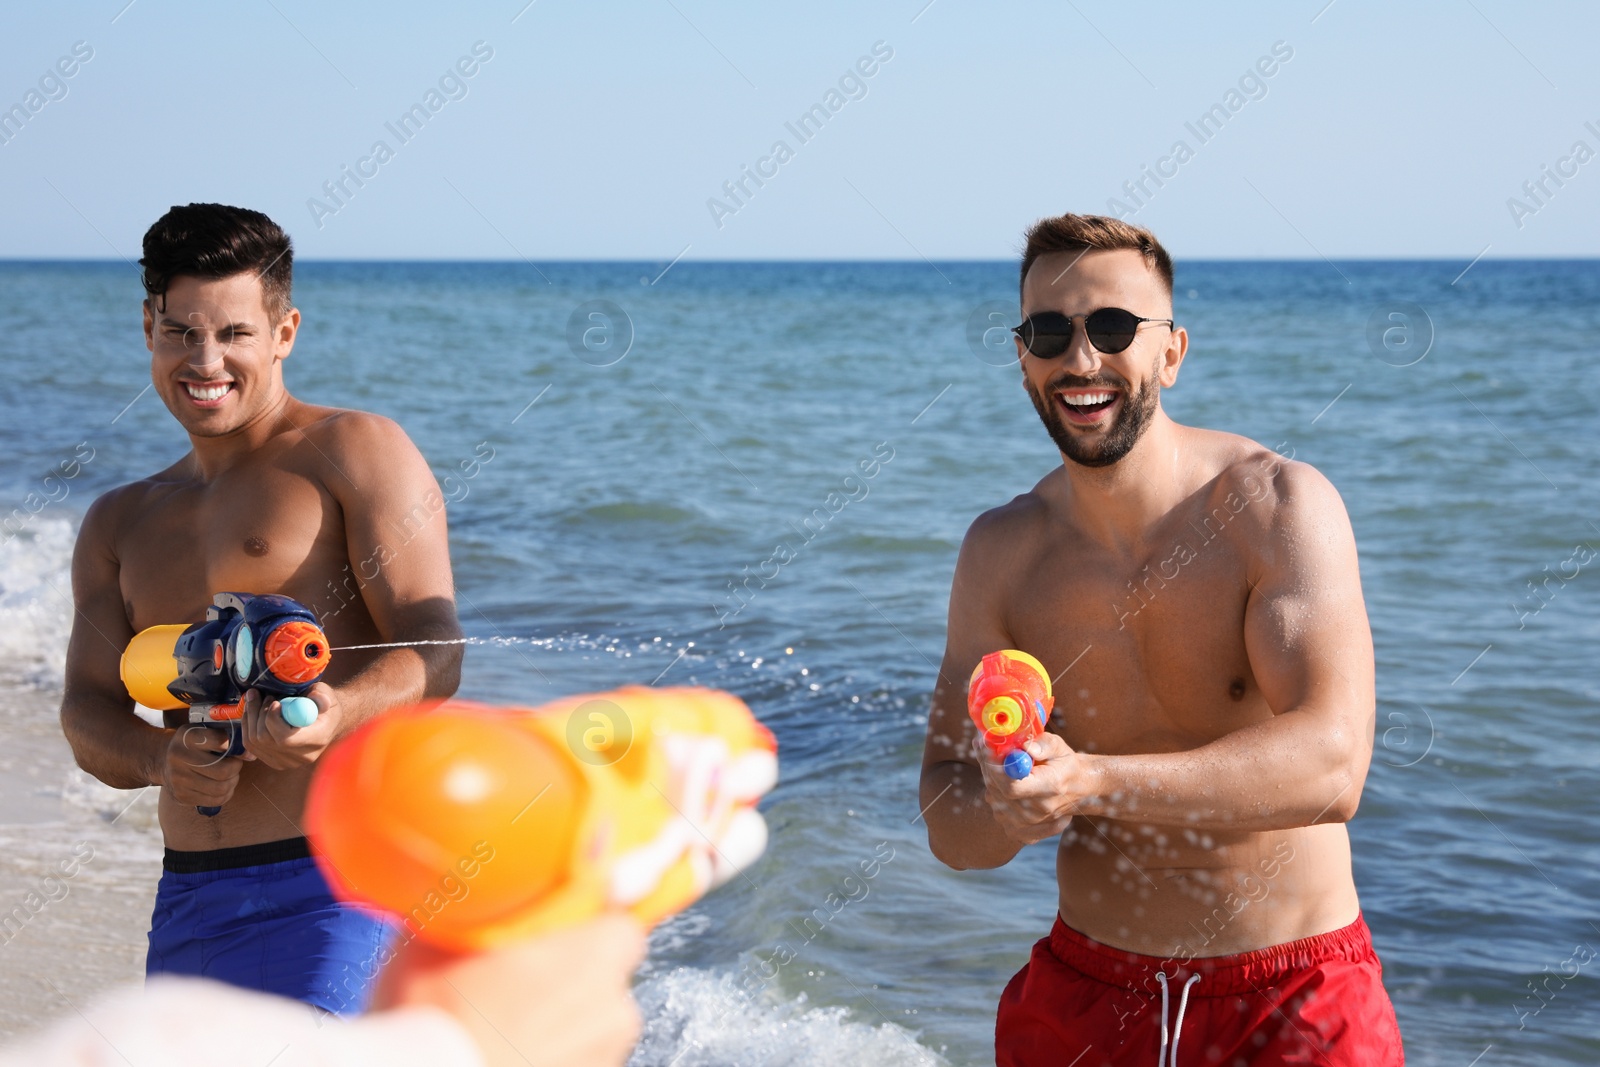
(1079, 233)
(218, 241)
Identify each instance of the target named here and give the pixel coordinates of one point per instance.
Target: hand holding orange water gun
(1009, 700)
(477, 826)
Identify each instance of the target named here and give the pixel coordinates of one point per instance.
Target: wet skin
(1199, 604)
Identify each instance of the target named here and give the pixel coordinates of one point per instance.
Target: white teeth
(208, 392)
(1088, 399)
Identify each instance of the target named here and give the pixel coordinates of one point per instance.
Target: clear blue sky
(600, 131)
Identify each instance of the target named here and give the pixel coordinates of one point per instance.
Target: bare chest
(261, 530)
(1148, 655)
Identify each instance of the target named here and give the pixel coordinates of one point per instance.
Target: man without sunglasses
(1197, 600)
(274, 496)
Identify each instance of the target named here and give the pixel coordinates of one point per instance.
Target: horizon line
(1012, 260)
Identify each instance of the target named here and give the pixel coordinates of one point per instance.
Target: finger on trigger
(205, 739)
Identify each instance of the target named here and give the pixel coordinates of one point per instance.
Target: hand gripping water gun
(263, 642)
(1009, 700)
(479, 825)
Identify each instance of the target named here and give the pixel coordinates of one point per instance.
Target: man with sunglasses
(1196, 600)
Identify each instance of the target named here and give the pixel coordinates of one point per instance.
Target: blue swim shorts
(261, 917)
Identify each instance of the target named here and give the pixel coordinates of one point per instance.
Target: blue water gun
(264, 642)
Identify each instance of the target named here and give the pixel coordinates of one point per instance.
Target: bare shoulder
(1004, 533)
(361, 448)
(1282, 488)
(116, 510)
(1289, 508)
(352, 431)
(97, 534)
(1295, 493)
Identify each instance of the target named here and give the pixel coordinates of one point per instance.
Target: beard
(1132, 420)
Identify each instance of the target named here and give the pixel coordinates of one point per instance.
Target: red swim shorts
(1318, 1001)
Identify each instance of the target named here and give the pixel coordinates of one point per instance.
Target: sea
(656, 431)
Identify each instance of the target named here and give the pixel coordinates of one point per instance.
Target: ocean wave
(35, 603)
(134, 809)
(695, 1018)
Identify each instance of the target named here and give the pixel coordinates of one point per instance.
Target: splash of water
(452, 641)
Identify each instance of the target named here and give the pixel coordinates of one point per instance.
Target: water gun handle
(297, 712)
(235, 748)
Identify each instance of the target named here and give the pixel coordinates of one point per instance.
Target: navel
(256, 546)
(1236, 689)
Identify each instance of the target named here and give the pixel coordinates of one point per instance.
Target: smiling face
(1096, 405)
(216, 353)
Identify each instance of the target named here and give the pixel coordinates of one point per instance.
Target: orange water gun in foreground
(478, 825)
(1009, 700)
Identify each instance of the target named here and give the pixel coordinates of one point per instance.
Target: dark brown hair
(1078, 233)
(218, 241)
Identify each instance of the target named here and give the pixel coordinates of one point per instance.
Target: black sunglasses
(1110, 330)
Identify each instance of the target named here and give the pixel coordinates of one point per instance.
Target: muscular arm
(394, 519)
(1310, 649)
(108, 740)
(962, 830)
(396, 541)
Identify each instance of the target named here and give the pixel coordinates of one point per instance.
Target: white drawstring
(1177, 1026)
(1163, 1059)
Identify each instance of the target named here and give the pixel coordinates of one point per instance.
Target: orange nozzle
(297, 652)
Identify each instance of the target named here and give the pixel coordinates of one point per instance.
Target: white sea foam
(695, 1018)
(35, 603)
(135, 809)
